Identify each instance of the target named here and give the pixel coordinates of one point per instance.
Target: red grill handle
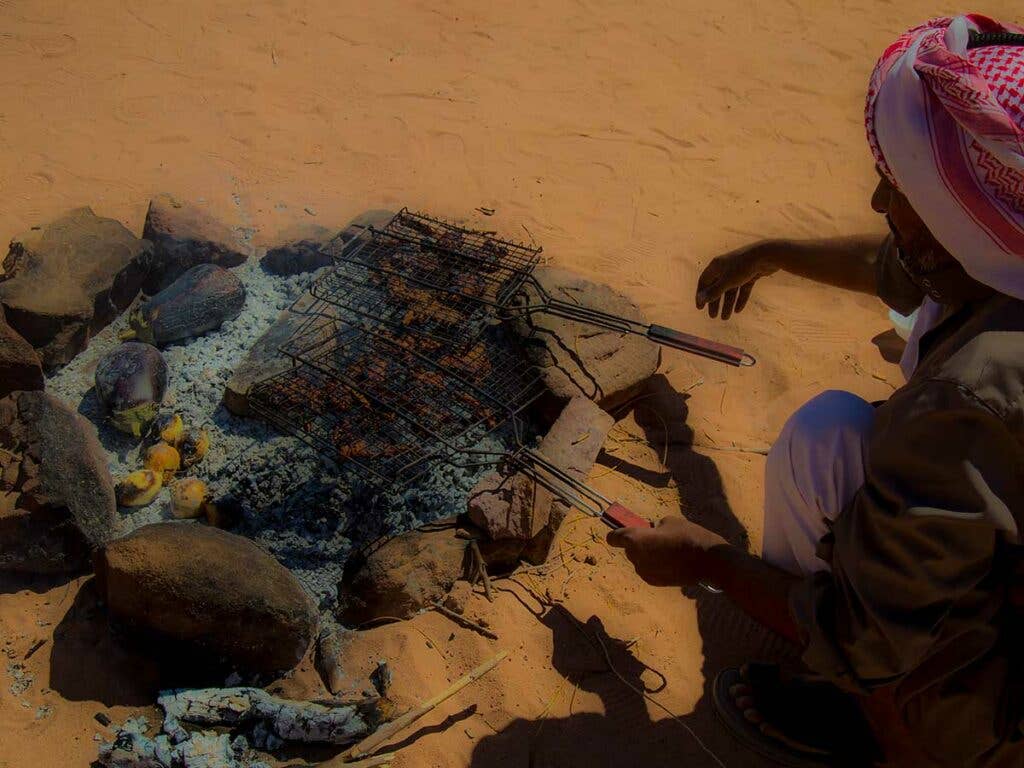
(698, 346)
(617, 516)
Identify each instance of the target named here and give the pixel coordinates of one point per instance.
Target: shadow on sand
(626, 735)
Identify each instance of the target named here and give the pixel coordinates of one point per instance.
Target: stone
(300, 250)
(404, 575)
(572, 444)
(504, 507)
(300, 247)
(184, 235)
(582, 359)
(63, 282)
(327, 659)
(20, 366)
(264, 359)
(457, 600)
(210, 589)
(56, 494)
(519, 517)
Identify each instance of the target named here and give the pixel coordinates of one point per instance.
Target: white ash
(290, 501)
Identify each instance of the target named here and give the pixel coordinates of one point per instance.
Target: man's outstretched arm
(678, 553)
(844, 262)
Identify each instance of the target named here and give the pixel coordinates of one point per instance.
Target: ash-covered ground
(291, 501)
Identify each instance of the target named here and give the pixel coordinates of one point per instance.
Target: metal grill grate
(388, 403)
(426, 276)
(399, 361)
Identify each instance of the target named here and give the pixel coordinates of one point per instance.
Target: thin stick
(370, 762)
(462, 620)
(385, 732)
(482, 569)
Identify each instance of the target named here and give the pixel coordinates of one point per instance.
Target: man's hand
(672, 554)
(727, 281)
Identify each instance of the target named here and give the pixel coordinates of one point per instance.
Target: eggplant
(130, 383)
(197, 302)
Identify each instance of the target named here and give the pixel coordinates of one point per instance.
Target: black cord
(983, 39)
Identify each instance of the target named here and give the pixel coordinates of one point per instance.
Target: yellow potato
(139, 488)
(188, 498)
(163, 458)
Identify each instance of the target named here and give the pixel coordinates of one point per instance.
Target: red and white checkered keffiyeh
(946, 126)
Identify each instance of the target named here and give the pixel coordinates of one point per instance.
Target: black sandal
(800, 724)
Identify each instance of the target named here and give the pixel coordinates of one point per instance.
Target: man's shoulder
(987, 357)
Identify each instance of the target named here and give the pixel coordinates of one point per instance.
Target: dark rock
(63, 283)
(301, 246)
(327, 660)
(20, 367)
(183, 236)
(264, 359)
(56, 494)
(404, 575)
(300, 250)
(210, 589)
(582, 359)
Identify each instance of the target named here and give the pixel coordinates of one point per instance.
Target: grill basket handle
(617, 516)
(698, 346)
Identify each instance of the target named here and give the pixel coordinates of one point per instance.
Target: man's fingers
(713, 307)
(728, 301)
(705, 291)
(743, 296)
(618, 538)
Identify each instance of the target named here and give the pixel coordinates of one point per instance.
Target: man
(892, 546)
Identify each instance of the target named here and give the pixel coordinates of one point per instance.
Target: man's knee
(832, 413)
(813, 470)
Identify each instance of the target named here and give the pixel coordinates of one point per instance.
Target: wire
(655, 702)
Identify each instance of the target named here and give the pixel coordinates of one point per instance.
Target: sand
(634, 141)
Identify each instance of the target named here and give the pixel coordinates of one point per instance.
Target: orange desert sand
(634, 141)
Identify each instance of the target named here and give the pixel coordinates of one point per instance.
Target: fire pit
(401, 370)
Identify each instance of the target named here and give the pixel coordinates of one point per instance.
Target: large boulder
(63, 282)
(184, 235)
(582, 359)
(404, 575)
(210, 589)
(519, 517)
(20, 367)
(56, 494)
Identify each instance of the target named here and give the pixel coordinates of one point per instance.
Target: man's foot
(791, 720)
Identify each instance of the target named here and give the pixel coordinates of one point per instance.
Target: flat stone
(404, 575)
(264, 359)
(577, 358)
(572, 444)
(56, 494)
(210, 589)
(514, 509)
(65, 281)
(20, 367)
(184, 235)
